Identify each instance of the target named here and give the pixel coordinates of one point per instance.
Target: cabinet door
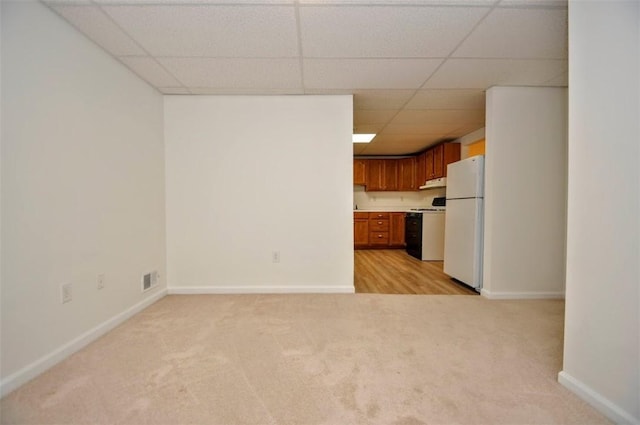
(451, 154)
(429, 164)
(360, 232)
(359, 172)
(407, 174)
(438, 161)
(421, 169)
(390, 174)
(396, 229)
(375, 173)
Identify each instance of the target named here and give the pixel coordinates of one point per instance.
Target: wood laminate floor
(393, 271)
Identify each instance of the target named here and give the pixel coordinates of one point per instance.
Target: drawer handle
(379, 236)
(379, 222)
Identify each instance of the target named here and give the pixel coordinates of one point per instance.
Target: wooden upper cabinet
(421, 169)
(374, 170)
(359, 171)
(382, 174)
(407, 174)
(390, 178)
(438, 161)
(433, 162)
(429, 169)
(451, 153)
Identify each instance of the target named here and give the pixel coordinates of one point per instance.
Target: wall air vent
(149, 280)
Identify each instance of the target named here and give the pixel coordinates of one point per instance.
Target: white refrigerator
(463, 231)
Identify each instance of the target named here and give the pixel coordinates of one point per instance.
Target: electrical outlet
(67, 293)
(275, 256)
(101, 280)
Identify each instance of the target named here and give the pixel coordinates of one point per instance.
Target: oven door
(413, 234)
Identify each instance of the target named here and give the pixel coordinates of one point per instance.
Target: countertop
(403, 210)
(383, 210)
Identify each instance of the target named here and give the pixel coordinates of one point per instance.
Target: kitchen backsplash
(388, 201)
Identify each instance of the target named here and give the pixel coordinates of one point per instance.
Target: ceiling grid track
(417, 69)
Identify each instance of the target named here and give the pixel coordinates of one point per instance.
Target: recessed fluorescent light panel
(363, 138)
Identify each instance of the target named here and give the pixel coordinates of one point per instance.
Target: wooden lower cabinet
(396, 229)
(360, 229)
(378, 230)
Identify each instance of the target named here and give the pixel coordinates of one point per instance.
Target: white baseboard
(520, 295)
(185, 290)
(595, 399)
(34, 369)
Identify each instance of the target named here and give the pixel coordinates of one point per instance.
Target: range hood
(432, 184)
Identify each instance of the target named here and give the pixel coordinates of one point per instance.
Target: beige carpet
(315, 359)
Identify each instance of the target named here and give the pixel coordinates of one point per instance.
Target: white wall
(525, 192)
(82, 189)
(468, 139)
(249, 175)
(602, 324)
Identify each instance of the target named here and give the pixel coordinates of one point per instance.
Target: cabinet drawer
(358, 215)
(379, 215)
(379, 225)
(379, 238)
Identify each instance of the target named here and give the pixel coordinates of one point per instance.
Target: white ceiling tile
(464, 130)
(397, 32)
(368, 73)
(381, 149)
(358, 148)
(174, 90)
(381, 99)
(434, 129)
(405, 139)
(384, 145)
(371, 99)
(518, 33)
(151, 71)
(379, 51)
(68, 2)
(214, 31)
(240, 91)
(403, 2)
(329, 91)
(440, 116)
(188, 2)
(368, 128)
(484, 73)
(100, 28)
(363, 117)
(536, 3)
(448, 99)
(232, 74)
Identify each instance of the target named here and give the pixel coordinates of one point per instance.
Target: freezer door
(465, 179)
(463, 241)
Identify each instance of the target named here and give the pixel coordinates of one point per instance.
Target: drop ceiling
(418, 69)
